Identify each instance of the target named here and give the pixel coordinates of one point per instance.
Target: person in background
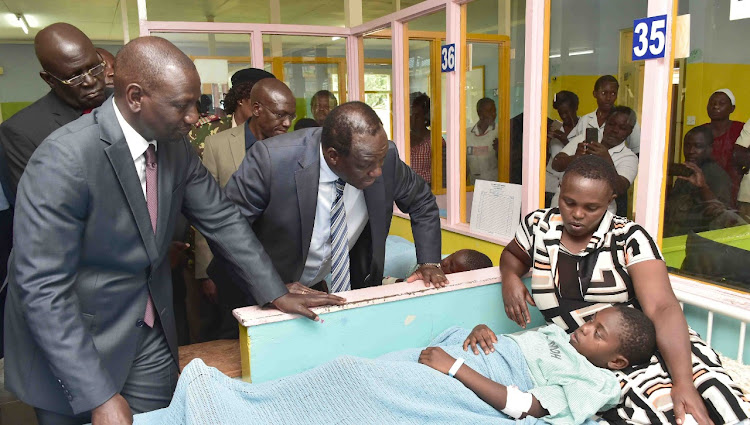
(742, 160)
(481, 157)
(272, 107)
(109, 70)
(401, 261)
(305, 123)
(700, 197)
(236, 104)
(612, 149)
(566, 104)
(720, 106)
(605, 93)
(421, 137)
(74, 72)
(321, 104)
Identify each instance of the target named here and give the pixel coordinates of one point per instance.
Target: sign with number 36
(649, 37)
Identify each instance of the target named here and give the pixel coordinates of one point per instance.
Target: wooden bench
(223, 354)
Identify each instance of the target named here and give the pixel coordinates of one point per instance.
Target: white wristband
(457, 364)
(517, 402)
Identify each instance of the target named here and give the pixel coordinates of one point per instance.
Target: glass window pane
(378, 82)
(494, 93)
(308, 65)
(217, 57)
(591, 76)
(322, 12)
(707, 209)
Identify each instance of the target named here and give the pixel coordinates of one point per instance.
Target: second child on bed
(572, 374)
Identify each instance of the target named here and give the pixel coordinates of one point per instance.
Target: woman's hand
(437, 359)
(482, 335)
(515, 298)
(686, 399)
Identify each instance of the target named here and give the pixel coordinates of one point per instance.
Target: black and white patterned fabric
(569, 288)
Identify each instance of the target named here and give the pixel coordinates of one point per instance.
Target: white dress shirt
(626, 165)
(318, 262)
(633, 142)
(137, 145)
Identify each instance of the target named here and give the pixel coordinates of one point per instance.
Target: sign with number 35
(649, 37)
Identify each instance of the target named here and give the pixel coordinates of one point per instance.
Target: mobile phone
(677, 169)
(592, 135)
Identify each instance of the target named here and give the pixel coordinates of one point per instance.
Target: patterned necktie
(340, 279)
(152, 202)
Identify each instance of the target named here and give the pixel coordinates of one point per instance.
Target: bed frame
(382, 319)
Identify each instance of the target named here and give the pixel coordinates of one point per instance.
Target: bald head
(156, 88)
(273, 107)
(109, 70)
(64, 53)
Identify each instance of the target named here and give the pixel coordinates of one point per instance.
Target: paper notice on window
(739, 9)
(496, 209)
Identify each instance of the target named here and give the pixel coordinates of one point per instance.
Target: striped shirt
(568, 288)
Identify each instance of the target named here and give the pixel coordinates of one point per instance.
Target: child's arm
(491, 392)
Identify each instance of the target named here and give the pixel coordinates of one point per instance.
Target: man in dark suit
(90, 328)
(288, 188)
(75, 73)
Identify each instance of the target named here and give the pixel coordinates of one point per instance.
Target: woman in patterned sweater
(584, 259)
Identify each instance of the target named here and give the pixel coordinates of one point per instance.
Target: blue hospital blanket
(393, 389)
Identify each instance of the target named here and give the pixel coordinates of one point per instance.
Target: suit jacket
(222, 155)
(22, 133)
(276, 188)
(86, 258)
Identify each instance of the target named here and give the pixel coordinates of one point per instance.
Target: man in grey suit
(288, 187)
(90, 329)
(74, 72)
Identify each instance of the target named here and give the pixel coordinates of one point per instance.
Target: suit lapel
(122, 163)
(307, 178)
(237, 145)
(375, 201)
(119, 156)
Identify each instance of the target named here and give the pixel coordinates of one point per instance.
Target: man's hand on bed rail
(430, 274)
(686, 399)
(301, 303)
(483, 336)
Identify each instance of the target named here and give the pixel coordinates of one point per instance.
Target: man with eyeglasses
(75, 73)
(272, 110)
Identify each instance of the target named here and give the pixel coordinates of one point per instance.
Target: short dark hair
(484, 101)
(476, 260)
(331, 97)
(240, 91)
(305, 123)
(632, 117)
(593, 167)
(605, 79)
(347, 120)
(637, 335)
(563, 97)
(422, 100)
(702, 130)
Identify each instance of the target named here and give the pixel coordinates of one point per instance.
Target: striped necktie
(340, 279)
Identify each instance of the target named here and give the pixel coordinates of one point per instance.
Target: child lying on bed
(614, 338)
(559, 384)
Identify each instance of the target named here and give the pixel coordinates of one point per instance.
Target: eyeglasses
(80, 78)
(279, 116)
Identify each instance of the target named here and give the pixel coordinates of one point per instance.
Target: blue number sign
(649, 37)
(448, 58)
